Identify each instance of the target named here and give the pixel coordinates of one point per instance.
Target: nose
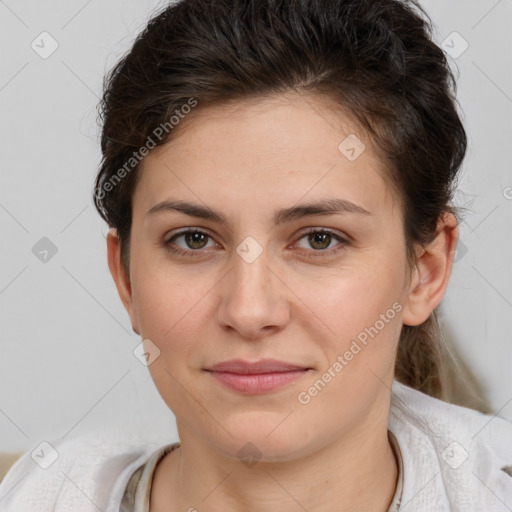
(253, 299)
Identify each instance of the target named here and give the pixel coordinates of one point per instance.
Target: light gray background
(67, 362)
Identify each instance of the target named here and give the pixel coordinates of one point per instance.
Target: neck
(337, 477)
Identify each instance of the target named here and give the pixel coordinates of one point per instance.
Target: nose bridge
(250, 301)
(251, 278)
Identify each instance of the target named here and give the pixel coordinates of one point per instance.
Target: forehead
(266, 151)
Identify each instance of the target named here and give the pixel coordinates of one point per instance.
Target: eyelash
(319, 253)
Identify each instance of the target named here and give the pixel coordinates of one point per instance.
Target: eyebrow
(324, 207)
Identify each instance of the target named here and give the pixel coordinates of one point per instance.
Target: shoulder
(463, 456)
(88, 472)
(442, 421)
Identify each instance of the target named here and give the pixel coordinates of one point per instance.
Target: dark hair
(375, 58)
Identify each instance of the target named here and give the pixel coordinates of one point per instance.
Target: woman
(277, 177)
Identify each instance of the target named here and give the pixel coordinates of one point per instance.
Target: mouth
(256, 377)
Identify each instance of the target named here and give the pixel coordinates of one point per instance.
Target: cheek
(168, 299)
(350, 301)
(171, 308)
(362, 311)
(364, 314)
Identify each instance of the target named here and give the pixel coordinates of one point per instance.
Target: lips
(241, 367)
(256, 377)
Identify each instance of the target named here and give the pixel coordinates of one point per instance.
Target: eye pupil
(319, 238)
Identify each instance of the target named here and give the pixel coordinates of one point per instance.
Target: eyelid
(330, 231)
(184, 231)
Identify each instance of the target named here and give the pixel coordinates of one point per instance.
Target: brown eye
(320, 241)
(194, 241)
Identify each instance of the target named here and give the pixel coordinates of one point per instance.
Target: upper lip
(257, 367)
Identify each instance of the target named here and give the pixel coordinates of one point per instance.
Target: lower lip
(257, 383)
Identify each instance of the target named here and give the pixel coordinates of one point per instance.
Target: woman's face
(256, 286)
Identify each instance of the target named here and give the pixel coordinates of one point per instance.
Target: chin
(270, 441)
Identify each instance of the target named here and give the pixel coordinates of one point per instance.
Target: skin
(299, 301)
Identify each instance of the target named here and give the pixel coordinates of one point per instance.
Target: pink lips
(258, 377)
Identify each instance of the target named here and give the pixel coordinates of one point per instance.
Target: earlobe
(118, 272)
(432, 272)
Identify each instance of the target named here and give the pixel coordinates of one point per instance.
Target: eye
(194, 240)
(321, 239)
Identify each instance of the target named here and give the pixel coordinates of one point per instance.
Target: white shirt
(454, 459)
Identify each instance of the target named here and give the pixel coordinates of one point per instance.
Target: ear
(121, 279)
(432, 272)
